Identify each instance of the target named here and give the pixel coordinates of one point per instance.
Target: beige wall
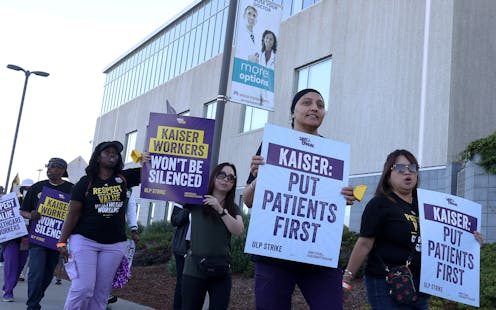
(377, 50)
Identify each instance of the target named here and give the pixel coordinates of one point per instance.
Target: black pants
(179, 279)
(194, 291)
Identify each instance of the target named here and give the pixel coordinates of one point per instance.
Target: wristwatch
(224, 212)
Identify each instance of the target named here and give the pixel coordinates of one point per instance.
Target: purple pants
(93, 266)
(275, 284)
(14, 261)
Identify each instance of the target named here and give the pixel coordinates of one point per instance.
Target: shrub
(154, 246)
(241, 262)
(347, 243)
(486, 148)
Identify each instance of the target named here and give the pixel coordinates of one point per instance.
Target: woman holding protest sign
(93, 240)
(207, 266)
(390, 236)
(275, 279)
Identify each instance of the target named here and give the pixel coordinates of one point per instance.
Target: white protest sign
(450, 252)
(11, 222)
(298, 210)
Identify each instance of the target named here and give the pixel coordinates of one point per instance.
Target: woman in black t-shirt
(96, 227)
(390, 233)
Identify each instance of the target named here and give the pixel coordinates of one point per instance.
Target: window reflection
(194, 38)
(317, 76)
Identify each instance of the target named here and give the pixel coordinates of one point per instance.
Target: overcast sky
(73, 40)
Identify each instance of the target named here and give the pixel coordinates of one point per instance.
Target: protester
(23, 189)
(207, 265)
(1, 244)
(390, 232)
(42, 260)
(180, 246)
(95, 228)
(15, 253)
(275, 279)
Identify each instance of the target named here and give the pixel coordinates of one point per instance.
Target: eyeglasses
(54, 166)
(401, 168)
(224, 176)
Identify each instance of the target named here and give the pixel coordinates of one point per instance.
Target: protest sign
(450, 252)
(11, 222)
(53, 207)
(180, 149)
(298, 210)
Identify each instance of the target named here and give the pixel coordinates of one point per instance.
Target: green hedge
(154, 246)
(486, 148)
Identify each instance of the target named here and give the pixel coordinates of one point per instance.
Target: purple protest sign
(450, 217)
(180, 150)
(302, 161)
(53, 207)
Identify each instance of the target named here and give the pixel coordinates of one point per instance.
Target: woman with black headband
(275, 279)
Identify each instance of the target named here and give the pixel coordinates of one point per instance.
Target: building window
(210, 109)
(317, 76)
(254, 118)
(130, 145)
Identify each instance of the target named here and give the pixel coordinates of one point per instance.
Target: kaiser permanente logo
(451, 201)
(252, 74)
(306, 141)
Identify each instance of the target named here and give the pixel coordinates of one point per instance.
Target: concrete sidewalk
(55, 298)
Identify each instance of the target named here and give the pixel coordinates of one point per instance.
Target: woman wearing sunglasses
(390, 233)
(275, 279)
(207, 264)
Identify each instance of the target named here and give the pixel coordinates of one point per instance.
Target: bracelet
(61, 245)
(252, 187)
(348, 273)
(347, 286)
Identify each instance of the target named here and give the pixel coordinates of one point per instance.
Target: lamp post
(27, 73)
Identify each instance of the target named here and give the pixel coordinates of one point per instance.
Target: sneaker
(8, 299)
(58, 282)
(112, 299)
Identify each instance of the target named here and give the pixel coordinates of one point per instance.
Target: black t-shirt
(103, 217)
(281, 262)
(394, 224)
(30, 201)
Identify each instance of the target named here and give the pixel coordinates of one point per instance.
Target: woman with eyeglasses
(390, 232)
(207, 264)
(275, 279)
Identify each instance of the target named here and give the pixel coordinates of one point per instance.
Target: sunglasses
(224, 176)
(401, 168)
(54, 166)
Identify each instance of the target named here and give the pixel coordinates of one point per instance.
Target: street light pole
(27, 73)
